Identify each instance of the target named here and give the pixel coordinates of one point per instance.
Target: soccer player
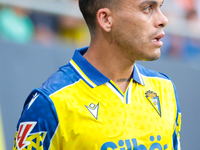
(102, 99)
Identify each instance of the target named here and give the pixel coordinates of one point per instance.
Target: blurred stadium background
(39, 36)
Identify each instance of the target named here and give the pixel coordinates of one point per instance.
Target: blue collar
(90, 74)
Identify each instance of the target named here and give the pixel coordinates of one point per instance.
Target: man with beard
(102, 99)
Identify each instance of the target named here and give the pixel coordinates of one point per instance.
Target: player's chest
(111, 116)
(135, 118)
(135, 108)
(109, 121)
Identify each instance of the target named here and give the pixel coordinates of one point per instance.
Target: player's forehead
(140, 2)
(155, 2)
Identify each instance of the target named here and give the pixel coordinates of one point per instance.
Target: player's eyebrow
(152, 2)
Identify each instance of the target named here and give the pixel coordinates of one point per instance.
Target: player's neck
(111, 64)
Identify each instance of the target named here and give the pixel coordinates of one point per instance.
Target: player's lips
(156, 39)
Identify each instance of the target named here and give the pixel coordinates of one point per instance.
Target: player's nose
(161, 20)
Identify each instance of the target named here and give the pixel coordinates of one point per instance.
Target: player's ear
(104, 19)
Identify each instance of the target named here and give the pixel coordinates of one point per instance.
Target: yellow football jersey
(78, 108)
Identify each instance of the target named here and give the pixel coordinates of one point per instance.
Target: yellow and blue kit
(78, 108)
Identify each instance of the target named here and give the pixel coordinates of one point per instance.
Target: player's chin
(154, 55)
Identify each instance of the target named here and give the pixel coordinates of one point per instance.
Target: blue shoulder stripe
(63, 77)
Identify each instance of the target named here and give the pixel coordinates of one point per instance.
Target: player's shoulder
(151, 73)
(38, 105)
(38, 120)
(40, 97)
(36, 98)
(65, 76)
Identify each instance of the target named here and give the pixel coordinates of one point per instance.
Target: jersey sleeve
(177, 125)
(38, 123)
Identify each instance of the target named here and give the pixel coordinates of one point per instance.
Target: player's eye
(148, 9)
(161, 4)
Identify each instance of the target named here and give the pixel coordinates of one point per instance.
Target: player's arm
(176, 134)
(38, 124)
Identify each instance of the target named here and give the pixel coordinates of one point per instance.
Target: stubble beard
(131, 50)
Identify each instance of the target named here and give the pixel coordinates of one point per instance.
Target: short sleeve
(38, 123)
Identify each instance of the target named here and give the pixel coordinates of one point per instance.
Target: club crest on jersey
(154, 100)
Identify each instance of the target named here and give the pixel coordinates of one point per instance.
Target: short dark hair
(89, 9)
